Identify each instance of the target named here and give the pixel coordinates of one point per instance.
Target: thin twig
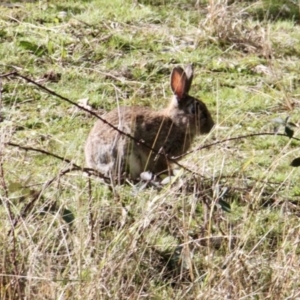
(75, 166)
(233, 139)
(44, 152)
(91, 215)
(8, 74)
(16, 74)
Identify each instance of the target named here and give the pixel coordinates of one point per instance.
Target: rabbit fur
(169, 131)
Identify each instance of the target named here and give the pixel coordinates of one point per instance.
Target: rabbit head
(169, 132)
(187, 109)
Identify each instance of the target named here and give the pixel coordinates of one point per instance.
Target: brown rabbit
(169, 131)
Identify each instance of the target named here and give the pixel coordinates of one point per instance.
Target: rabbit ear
(189, 72)
(178, 81)
(181, 82)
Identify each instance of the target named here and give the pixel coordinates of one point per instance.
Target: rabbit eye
(192, 109)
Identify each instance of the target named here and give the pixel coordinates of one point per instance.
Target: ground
(226, 226)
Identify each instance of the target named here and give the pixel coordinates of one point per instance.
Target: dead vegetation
(225, 227)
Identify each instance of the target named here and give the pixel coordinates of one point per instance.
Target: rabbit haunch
(169, 132)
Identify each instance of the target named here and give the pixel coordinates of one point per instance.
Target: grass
(229, 231)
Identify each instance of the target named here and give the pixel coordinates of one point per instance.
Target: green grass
(65, 238)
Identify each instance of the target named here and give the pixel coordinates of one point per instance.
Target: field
(225, 226)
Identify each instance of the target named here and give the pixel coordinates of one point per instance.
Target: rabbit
(169, 131)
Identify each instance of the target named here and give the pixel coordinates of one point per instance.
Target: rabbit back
(169, 132)
(111, 152)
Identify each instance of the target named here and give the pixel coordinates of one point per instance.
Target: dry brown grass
(227, 231)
